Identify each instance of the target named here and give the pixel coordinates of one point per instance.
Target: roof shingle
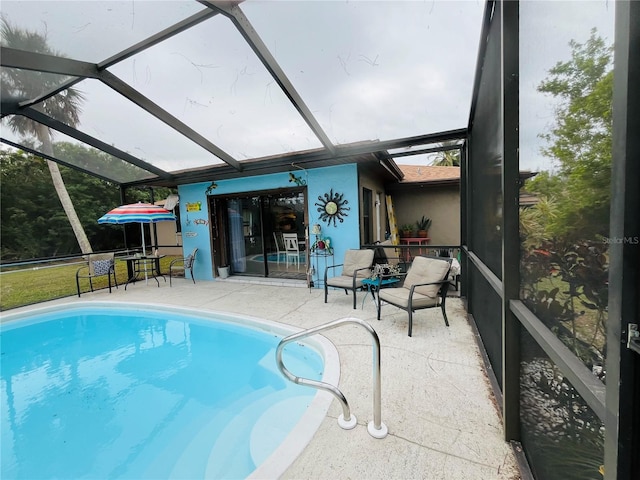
(428, 173)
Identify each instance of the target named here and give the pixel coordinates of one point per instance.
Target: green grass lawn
(39, 284)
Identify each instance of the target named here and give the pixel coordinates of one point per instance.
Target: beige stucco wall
(440, 203)
(169, 239)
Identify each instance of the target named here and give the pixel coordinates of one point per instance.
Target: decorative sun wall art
(331, 207)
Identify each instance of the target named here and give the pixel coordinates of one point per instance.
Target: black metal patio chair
(98, 265)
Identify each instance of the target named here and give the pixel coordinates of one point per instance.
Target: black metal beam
(424, 150)
(48, 63)
(509, 39)
(40, 62)
(94, 142)
(241, 22)
(159, 37)
(143, 102)
(14, 58)
(54, 159)
(622, 422)
(491, 278)
(590, 388)
(134, 49)
(489, 9)
(465, 208)
(306, 159)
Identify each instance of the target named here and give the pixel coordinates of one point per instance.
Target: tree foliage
(564, 262)
(65, 106)
(447, 158)
(579, 142)
(32, 223)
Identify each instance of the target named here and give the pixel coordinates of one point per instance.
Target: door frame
(219, 226)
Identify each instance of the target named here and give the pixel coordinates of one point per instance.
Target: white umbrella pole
(144, 254)
(144, 249)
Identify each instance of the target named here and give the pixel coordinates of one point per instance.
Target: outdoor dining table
(143, 265)
(417, 242)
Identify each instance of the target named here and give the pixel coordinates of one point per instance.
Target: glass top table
(371, 285)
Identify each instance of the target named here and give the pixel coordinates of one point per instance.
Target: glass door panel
(284, 214)
(254, 229)
(245, 234)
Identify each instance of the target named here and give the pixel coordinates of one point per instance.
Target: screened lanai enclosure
(176, 93)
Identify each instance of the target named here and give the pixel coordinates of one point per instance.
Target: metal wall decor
(299, 181)
(331, 207)
(211, 188)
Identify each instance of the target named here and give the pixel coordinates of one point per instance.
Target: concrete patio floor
(436, 398)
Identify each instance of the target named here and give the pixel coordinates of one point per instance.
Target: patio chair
(182, 265)
(390, 256)
(279, 251)
(425, 286)
(454, 273)
(355, 268)
(291, 248)
(98, 265)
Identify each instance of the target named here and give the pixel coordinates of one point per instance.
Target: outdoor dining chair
(279, 251)
(291, 248)
(355, 268)
(425, 286)
(98, 265)
(182, 265)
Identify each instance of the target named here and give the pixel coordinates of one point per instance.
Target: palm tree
(64, 106)
(447, 158)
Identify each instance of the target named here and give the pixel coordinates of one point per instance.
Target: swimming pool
(101, 390)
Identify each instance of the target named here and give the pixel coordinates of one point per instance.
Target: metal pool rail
(346, 420)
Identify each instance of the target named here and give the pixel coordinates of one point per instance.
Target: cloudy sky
(366, 69)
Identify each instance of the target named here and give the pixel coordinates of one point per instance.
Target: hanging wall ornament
(331, 207)
(299, 181)
(211, 188)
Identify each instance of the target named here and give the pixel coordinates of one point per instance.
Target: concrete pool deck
(436, 398)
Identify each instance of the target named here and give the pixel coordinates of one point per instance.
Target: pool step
(275, 424)
(221, 446)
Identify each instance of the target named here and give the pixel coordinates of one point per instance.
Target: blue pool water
(141, 393)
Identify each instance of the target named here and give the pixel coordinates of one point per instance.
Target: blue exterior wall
(196, 231)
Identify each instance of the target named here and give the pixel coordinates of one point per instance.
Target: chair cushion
(400, 297)
(426, 270)
(344, 282)
(101, 267)
(355, 259)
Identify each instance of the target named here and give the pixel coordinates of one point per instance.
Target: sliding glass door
(285, 215)
(250, 238)
(245, 236)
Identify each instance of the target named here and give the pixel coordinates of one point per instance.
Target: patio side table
(371, 285)
(317, 259)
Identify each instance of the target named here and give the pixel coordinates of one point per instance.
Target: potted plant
(384, 270)
(406, 230)
(223, 271)
(423, 226)
(321, 244)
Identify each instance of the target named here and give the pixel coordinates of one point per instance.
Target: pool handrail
(346, 420)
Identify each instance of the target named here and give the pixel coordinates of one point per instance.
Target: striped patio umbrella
(138, 213)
